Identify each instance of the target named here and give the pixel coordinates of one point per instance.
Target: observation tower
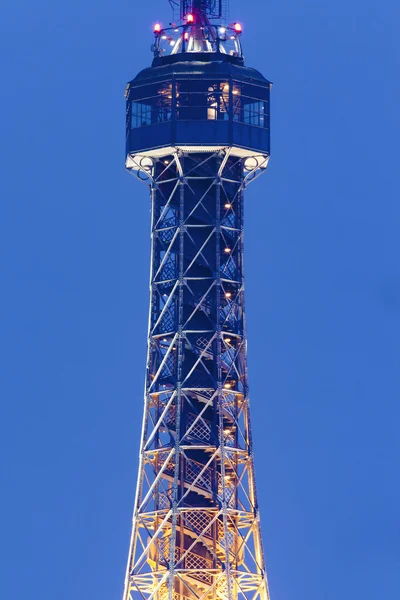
(197, 133)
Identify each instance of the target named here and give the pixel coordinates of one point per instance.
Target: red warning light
(190, 18)
(157, 28)
(237, 27)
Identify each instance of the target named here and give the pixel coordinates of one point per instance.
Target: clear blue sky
(323, 296)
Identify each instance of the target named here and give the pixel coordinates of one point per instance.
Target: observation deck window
(250, 104)
(151, 104)
(202, 100)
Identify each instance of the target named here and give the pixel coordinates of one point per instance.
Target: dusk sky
(322, 296)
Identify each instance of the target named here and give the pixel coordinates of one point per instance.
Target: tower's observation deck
(197, 133)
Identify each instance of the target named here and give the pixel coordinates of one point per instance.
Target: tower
(197, 134)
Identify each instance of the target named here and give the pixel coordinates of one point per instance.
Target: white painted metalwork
(196, 532)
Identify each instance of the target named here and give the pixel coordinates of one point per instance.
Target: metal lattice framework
(196, 532)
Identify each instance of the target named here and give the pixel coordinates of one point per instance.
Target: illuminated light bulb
(227, 250)
(146, 163)
(222, 30)
(228, 295)
(163, 37)
(172, 43)
(166, 162)
(227, 386)
(165, 340)
(227, 205)
(228, 340)
(157, 28)
(190, 18)
(237, 27)
(186, 36)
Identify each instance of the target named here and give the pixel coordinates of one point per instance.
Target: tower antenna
(212, 9)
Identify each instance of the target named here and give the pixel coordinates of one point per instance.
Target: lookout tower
(197, 133)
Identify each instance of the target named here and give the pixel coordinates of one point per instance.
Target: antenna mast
(212, 9)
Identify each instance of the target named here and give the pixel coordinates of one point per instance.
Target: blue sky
(323, 296)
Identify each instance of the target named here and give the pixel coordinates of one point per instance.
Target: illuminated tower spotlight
(197, 134)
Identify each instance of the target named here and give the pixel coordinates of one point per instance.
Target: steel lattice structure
(196, 532)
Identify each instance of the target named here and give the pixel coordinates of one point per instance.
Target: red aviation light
(237, 27)
(157, 28)
(190, 18)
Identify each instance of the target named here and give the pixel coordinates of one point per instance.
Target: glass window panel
(151, 90)
(237, 105)
(150, 111)
(253, 91)
(250, 103)
(224, 98)
(202, 100)
(154, 109)
(141, 114)
(252, 112)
